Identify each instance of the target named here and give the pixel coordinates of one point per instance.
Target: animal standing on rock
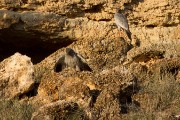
(122, 22)
(71, 60)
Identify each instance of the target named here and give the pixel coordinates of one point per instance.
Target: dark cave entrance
(33, 44)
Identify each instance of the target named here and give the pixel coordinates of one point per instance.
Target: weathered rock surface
(85, 19)
(126, 82)
(63, 22)
(16, 76)
(56, 111)
(68, 85)
(116, 93)
(89, 90)
(154, 51)
(166, 66)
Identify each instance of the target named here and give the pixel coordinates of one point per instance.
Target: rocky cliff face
(125, 74)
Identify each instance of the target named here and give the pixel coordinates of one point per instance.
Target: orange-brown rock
(56, 110)
(138, 81)
(68, 85)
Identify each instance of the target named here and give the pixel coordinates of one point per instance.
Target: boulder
(68, 85)
(16, 76)
(58, 110)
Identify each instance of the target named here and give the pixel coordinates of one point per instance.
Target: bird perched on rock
(72, 60)
(122, 22)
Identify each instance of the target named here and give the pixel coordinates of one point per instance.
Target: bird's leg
(125, 36)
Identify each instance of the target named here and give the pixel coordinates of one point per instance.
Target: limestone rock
(90, 91)
(78, 19)
(98, 54)
(63, 22)
(138, 69)
(154, 51)
(150, 9)
(68, 85)
(16, 76)
(116, 91)
(166, 66)
(55, 110)
(8, 18)
(87, 26)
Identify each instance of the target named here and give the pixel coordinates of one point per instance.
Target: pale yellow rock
(16, 75)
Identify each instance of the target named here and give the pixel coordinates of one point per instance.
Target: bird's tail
(128, 34)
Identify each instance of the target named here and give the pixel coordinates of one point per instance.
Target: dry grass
(76, 115)
(13, 110)
(164, 98)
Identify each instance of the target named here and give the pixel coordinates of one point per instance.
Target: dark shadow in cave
(31, 93)
(33, 44)
(130, 5)
(125, 99)
(94, 94)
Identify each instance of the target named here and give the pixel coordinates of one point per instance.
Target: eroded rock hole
(94, 94)
(171, 70)
(145, 57)
(25, 1)
(31, 93)
(95, 9)
(129, 5)
(175, 70)
(33, 44)
(125, 100)
(151, 26)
